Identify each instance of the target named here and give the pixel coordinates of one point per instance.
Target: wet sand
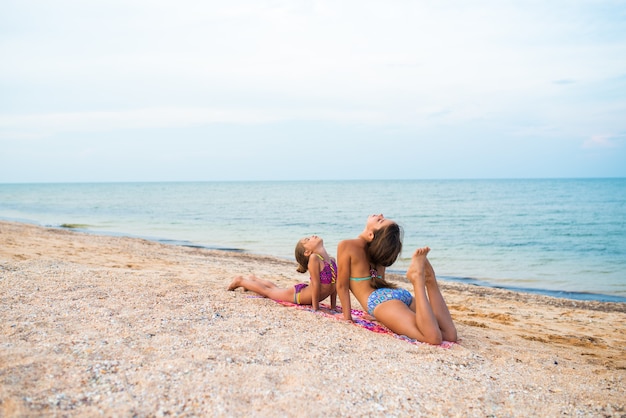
(99, 325)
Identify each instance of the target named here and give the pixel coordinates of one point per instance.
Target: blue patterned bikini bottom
(385, 294)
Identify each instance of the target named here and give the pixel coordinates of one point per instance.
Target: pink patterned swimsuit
(328, 275)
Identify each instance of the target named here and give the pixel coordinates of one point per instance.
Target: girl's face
(375, 222)
(311, 243)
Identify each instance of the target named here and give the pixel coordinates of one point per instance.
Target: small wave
(586, 296)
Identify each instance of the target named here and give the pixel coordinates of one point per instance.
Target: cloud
(41, 125)
(603, 141)
(564, 82)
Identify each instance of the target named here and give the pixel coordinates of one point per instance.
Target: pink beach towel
(361, 319)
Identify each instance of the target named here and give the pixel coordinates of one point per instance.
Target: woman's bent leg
(399, 318)
(438, 304)
(424, 317)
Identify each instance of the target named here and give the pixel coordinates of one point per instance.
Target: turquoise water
(565, 237)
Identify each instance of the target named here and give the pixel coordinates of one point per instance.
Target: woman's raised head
(386, 244)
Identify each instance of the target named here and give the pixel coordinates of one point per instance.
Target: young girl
(362, 262)
(312, 256)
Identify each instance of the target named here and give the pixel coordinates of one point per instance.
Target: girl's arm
(314, 269)
(333, 294)
(343, 279)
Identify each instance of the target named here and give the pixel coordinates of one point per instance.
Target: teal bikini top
(373, 274)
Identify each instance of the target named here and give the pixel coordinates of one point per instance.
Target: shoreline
(560, 294)
(118, 326)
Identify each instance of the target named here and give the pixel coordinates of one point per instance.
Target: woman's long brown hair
(384, 250)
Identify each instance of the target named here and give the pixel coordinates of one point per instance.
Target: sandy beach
(112, 326)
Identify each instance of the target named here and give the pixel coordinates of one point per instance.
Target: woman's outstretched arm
(343, 279)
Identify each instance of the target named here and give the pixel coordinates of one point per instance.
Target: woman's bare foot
(416, 273)
(235, 283)
(431, 280)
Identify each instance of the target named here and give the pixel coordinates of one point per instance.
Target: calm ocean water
(564, 237)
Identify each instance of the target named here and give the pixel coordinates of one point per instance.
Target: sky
(149, 90)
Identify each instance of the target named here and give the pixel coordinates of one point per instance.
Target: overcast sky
(145, 90)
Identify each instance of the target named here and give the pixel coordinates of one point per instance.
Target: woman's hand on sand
(344, 319)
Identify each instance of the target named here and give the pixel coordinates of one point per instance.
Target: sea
(559, 237)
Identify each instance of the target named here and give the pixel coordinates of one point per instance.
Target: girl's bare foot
(235, 283)
(416, 273)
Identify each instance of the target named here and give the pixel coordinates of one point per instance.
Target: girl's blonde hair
(301, 259)
(384, 250)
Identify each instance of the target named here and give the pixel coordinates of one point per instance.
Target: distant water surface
(565, 237)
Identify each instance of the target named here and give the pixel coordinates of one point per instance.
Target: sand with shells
(99, 325)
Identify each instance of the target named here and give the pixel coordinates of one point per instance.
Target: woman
(362, 262)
